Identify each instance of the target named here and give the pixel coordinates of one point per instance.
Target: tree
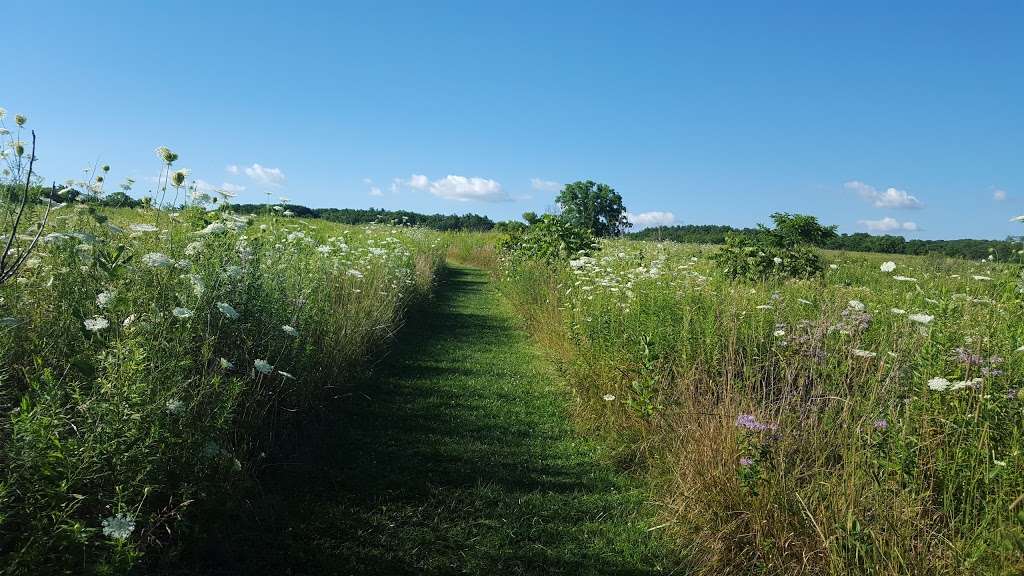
(801, 229)
(530, 217)
(594, 207)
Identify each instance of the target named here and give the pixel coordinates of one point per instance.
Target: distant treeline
(473, 222)
(859, 242)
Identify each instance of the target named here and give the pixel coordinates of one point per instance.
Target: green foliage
(441, 222)
(549, 239)
(793, 229)
(594, 207)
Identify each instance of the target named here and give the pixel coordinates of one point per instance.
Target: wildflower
(834, 266)
(119, 527)
(904, 279)
(881, 425)
(857, 305)
(779, 333)
(746, 461)
(214, 228)
(156, 260)
(233, 272)
(142, 228)
(96, 323)
(608, 397)
(197, 284)
(166, 155)
(981, 278)
(750, 422)
(178, 177)
(355, 273)
(924, 319)
(128, 321)
(175, 406)
(263, 367)
(765, 307)
(888, 266)
(227, 310)
(226, 364)
(777, 260)
(104, 298)
(193, 248)
(863, 353)
(289, 330)
(899, 311)
(20, 119)
(180, 312)
(323, 249)
(939, 384)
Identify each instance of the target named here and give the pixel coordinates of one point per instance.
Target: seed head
(20, 119)
(178, 177)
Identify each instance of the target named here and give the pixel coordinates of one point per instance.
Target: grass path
(456, 458)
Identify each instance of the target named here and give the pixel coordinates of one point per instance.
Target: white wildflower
(180, 312)
(921, 318)
(608, 397)
(289, 330)
(355, 273)
(175, 406)
(119, 527)
(226, 364)
(193, 248)
(856, 305)
(939, 384)
(779, 333)
(899, 311)
(128, 321)
(214, 228)
(888, 266)
(263, 367)
(156, 260)
(227, 310)
(104, 298)
(863, 353)
(96, 323)
(981, 277)
(142, 228)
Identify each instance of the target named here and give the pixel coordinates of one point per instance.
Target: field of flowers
(868, 421)
(149, 359)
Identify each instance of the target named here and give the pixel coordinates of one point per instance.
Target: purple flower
(750, 422)
(746, 461)
(965, 356)
(881, 425)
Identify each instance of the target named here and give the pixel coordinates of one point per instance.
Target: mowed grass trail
(457, 457)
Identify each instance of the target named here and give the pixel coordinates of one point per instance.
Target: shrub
(550, 239)
(763, 256)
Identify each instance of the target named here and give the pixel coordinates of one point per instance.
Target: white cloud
(999, 195)
(888, 224)
(464, 189)
(232, 169)
(396, 183)
(263, 175)
(367, 180)
(545, 185)
(209, 188)
(654, 218)
(418, 181)
(890, 198)
(375, 191)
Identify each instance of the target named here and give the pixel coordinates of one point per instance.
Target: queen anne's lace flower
(119, 527)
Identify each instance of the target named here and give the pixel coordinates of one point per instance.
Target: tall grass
(149, 359)
(799, 427)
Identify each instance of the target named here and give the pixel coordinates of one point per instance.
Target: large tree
(595, 207)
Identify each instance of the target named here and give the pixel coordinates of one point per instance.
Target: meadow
(866, 421)
(153, 358)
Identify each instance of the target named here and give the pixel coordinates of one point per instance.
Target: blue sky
(716, 113)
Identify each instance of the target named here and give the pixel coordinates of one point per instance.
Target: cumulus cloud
(889, 198)
(209, 187)
(545, 185)
(464, 188)
(888, 224)
(260, 174)
(653, 218)
(999, 195)
(375, 191)
(418, 181)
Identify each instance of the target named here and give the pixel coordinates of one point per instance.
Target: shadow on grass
(454, 458)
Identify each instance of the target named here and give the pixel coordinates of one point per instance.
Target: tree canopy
(594, 207)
